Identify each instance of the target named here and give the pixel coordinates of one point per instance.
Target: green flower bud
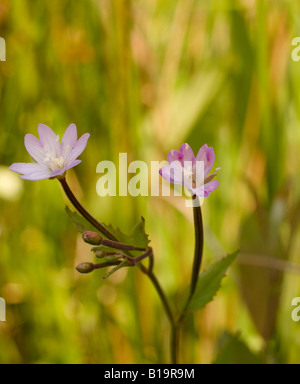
(92, 238)
(85, 268)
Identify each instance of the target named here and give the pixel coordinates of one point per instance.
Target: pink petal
(37, 175)
(57, 172)
(207, 155)
(60, 172)
(187, 153)
(78, 149)
(173, 173)
(70, 136)
(26, 168)
(49, 139)
(174, 156)
(72, 165)
(205, 190)
(34, 148)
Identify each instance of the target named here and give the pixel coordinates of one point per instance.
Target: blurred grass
(143, 77)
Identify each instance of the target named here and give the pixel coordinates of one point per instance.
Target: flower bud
(92, 238)
(100, 254)
(85, 268)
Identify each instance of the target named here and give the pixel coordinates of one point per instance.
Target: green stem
(84, 212)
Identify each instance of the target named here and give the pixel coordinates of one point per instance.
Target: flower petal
(31, 171)
(72, 165)
(173, 173)
(205, 190)
(78, 149)
(174, 156)
(187, 153)
(61, 172)
(26, 168)
(207, 155)
(34, 148)
(41, 174)
(70, 137)
(49, 140)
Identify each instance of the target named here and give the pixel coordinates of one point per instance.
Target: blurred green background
(143, 77)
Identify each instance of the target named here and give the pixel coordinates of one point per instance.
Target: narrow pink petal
(60, 172)
(207, 155)
(200, 192)
(78, 149)
(174, 156)
(70, 136)
(37, 175)
(211, 186)
(24, 168)
(202, 153)
(173, 173)
(208, 188)
(49, 139)
(57, 172)
(34, 148)
(73, 164)
(187, 153)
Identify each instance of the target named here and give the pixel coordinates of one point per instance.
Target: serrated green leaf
(81, 223)
(139, 236)
(210, 282)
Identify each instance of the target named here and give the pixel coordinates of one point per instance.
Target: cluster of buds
(114, 254)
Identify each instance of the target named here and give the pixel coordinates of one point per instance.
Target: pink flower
(52, 158)
(190, 171)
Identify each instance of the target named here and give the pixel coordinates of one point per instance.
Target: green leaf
(233, 350)
(117, 268)
(81, 223)
(138, 237)
(210, 282)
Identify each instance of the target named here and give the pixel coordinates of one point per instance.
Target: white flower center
(57, 163)
(52, 161)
